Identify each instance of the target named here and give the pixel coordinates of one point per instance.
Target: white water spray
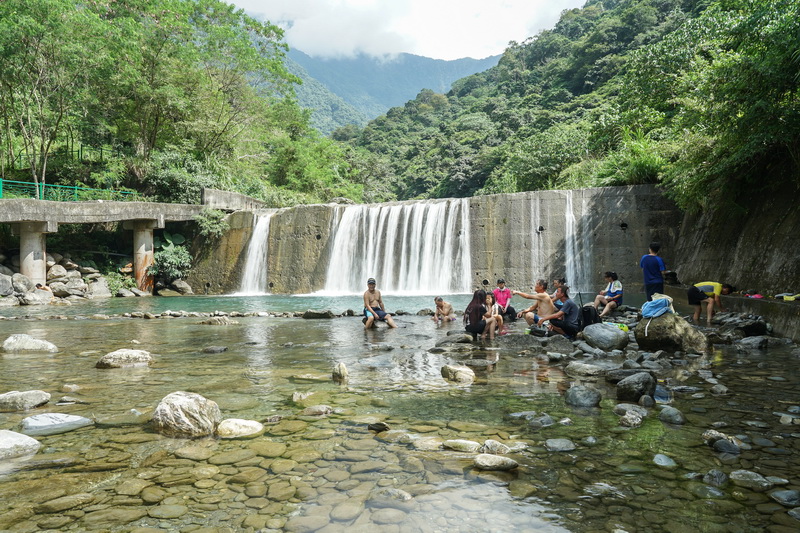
(254, 277)
(410, 247)
(578, 246)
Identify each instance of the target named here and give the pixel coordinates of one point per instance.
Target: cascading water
(537, 247)
(413, 247)
(578, 246)
(254, 277)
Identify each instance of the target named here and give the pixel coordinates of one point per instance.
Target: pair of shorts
(696, 295)
(380, 312)
(564, 326)
(476, 328)
(651, 288)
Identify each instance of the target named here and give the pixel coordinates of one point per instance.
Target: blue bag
(656, 308)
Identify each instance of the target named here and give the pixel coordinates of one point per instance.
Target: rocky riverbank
(680, 440)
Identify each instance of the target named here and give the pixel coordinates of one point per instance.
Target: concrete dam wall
(443, 246)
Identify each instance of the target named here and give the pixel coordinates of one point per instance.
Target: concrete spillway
(451, 245)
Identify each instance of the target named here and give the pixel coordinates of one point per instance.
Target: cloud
(443, 29)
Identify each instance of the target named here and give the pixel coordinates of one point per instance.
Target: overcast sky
(441, 29)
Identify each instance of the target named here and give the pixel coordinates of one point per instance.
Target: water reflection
(333, 468)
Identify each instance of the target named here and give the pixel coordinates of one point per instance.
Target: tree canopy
(699, 96)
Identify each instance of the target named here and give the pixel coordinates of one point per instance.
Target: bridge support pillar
(32, 249)
(143, 255)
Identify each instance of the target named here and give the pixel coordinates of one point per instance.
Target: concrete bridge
(32, 220)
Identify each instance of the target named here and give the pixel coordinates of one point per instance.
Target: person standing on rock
(653, 269)
(502, 297)
(566, 320)
(543, 303)
(373, 307)
(707, 292)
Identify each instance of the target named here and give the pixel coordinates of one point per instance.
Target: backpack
(657, 307)
(587, 317)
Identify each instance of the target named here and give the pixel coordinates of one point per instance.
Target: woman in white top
(611, 296)
(494, 309)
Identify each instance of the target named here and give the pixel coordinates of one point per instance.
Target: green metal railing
(62, 193)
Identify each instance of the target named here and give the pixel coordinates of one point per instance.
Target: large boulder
(671, 333)
(20, 342)
(56, 272)
(14, 444)
(6, 287)
(181, 286)
(186, 414)
(22, 283)
(73, 287)
(605, 336)
(634, 387)
(99, 289)
(125, 357)
(23, 400)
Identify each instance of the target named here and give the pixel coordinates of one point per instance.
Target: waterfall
(254, 277)
(538, 248)
(410, 247)
(578, 246)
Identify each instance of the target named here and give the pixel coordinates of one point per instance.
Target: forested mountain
(699, 95)
(373, 85)
(328, 110)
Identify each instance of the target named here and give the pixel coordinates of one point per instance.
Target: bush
(171, 263)
(211, 223)
(117, 281)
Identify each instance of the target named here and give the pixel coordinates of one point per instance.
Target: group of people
(488, 311)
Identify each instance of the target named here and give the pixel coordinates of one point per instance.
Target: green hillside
(373, 85)
(328, 110)
(165, 97)
(697, 95)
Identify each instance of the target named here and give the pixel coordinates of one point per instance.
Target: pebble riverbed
(331, 473)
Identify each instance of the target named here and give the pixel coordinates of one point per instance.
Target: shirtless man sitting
(542, 303)
(444, 311)
(373, 306)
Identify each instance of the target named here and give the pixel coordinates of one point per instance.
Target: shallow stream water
(332, 473)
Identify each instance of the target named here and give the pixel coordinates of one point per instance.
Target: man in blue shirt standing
(653, 269)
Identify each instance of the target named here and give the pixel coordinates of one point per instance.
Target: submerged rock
(186, 414)
(53, 423)
(559, 445)
(458, 374)
(20, 342)
(487, 461)
(582, 396)
(461, 445)
(125, 358)
(340, 373)
(23, 400)
(238, 428)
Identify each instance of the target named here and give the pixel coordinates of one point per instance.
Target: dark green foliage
(698, 95)
(211, 223)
